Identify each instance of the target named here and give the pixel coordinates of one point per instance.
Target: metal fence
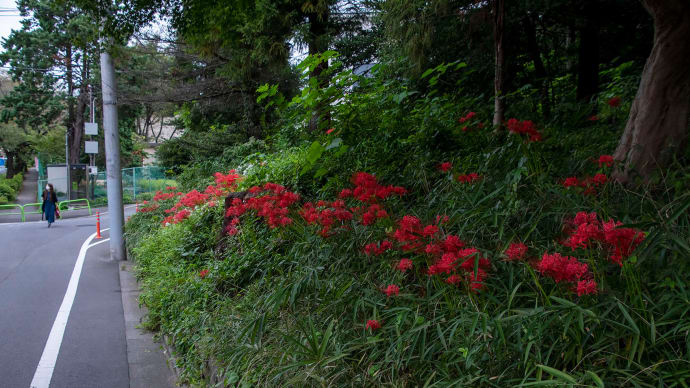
(135, 182)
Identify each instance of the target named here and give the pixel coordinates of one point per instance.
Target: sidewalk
(147, 361)
(29, 191)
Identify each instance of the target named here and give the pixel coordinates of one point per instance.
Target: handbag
(57, 213)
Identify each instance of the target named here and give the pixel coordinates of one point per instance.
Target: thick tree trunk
(499, 63)
(318, 43)
(588, 54)
(657, 127)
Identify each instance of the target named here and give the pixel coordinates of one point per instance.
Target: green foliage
(287, 307)
(9, 188)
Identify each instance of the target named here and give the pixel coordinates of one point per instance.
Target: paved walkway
(29, 191)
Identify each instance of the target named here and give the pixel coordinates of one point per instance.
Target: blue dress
(49, 209)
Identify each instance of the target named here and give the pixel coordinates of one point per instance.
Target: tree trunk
(11, 165)
(657, 126)
(499, 63)
(588, 54)
(78, 117)
(318, 43)
(539, 69)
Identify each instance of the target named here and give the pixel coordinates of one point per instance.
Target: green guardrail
(12, 206)
(39, 205)
(78, 207)
(62, 206)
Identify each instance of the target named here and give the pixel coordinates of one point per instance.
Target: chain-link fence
(137, 183)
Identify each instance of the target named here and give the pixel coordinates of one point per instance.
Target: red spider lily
(376, 249)
(614, 102)
(620, 242)
(593, 118)
(526, 127)
(562, 268)
(516, 251)
(404, 264)
(605, 159)
(373, 324)
(329, 131)
(203, 273)
(445, 166)
(586, 287)
(391, 290)
(453, 279)
(467, 117)
(469, 178)
(229, 180)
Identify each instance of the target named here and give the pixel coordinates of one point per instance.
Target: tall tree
(657, 126)
(498, 10)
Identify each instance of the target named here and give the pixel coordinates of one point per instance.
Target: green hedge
(9, 188)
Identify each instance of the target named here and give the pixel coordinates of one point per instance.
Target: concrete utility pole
(112, 158)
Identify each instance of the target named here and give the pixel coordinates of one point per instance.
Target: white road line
(44, 370)
(100, 242)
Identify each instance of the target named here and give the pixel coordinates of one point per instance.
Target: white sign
(91, 129)
(91, 147)
(93, 170)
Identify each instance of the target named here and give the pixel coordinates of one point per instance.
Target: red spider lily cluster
(472, 177)
(525, 127)
(272, 203)
(466, 119)
(606, 160)
(586, 229)
(367, 189)
(516, 251)
(588, 184)
(392, 290)
(147, 209)
(181, 210)
(373, 324)
(569, 270)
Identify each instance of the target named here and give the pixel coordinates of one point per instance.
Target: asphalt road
(36, 264)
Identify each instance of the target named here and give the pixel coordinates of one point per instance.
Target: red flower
(562, 268)
(606, 159)
(614, 102)
(392, 289)
(526, 127)
(203, 273)
(467, 117)
(445, 166)
(516, 251)
(571, 182)
(404, 265)
(453, 279)
(586, 287)
(328, 132)
(373, 324)
(599, 179)
(469, 178)
(593, 118)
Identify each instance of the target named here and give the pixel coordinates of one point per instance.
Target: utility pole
(67, 177)
(112, 158)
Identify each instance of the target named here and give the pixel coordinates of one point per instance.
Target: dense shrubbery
(337, 293)
(9, 188)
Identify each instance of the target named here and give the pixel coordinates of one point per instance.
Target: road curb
(151, 364)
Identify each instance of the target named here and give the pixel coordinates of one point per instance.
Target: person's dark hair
(50, 185)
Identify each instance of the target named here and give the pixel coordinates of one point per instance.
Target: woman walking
(49, 203)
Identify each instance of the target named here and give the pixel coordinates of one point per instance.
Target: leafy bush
(9, 188)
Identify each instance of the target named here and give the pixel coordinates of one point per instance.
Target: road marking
(44, 370)
(100, 242)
